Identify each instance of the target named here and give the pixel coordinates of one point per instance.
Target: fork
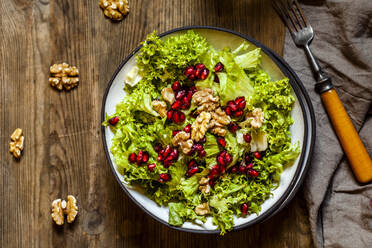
(302, 34)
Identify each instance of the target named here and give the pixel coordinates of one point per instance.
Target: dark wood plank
(63, 152)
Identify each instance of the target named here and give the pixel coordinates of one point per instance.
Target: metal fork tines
(300, 30)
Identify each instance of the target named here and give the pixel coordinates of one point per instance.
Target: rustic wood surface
(63, 149)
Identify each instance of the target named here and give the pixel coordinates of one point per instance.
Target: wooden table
(63, 149)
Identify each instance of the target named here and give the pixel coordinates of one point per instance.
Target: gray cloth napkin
(340, 212)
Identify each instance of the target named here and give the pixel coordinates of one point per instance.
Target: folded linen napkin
(340, 211)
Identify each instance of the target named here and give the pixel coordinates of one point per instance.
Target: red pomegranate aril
(192, 171)
(170, 114)
(187, 128)
(176, 86)
(221, 141)
(191, 164)
(132, 158)
(247, 159)
(180, 94)
(247, 138)
(165, 177)
(166, 164)
(177, 104)
(158, 148)
(216, 79)
(222, 169)
(176, 117)
(253, 172)
(174, 154)
(228, 111)
(200, 66)
(192, 151)
(182, 117)
(238, 113)
(175, 132)
(239, 99)
(232, 105)
(198, 147)
(212, 183)
(186, 102)
(160, 157)
(250, 166)
(233, 127)
(242, 168)
(214, 171)
(114, 120)
(192, 77)
(257, 155)
(219, 67)
(145, 157)
(228, 158)
(189, 70)
(139, 157)
(234, 169)
(166, 152)
(241, 105)
(204, 74)
(202, 153)
(189, 95)
(198, 73)
(221, 160)
(244, 208)
(151, 167)
(193, 89)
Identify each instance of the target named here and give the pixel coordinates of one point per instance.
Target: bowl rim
(308, 142)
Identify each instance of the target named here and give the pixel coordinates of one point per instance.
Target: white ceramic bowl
(302, 130)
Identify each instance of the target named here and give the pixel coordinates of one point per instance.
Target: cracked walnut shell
(115, 9)
(202, 209)
(205, 100)
(16, 145)
(160, 107)
(63, 76)
(61, 208)
(183, 140)
(200, 126)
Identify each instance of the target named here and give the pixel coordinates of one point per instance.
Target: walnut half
(204, 185)
(183, 140)
(63, 76)
(205, 100)
(57, 212)
(256, 117)
(16, 145)
(115, 9)
(61, 208)
(219, 120)
(160, 107)
(71, 209)
(202, 209)
(200, 126)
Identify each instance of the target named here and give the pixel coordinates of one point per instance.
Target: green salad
(201, 130)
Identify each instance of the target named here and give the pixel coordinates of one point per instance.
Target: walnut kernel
(204, 185)
(71, 209)
(57, 212)
(256, 117)
(115, 9)
(202, 209)
(63, 76)
(168, 95)
(160, 107)
(205, 100)
(16, 145)
(219, 120)
(183, 140)
(200, 126)
(61, 208)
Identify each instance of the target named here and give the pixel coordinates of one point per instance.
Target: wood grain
(63, 150)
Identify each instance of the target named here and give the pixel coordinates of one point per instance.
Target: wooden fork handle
(349, 138)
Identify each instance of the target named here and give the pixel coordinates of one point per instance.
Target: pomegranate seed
(198, 147)
(252, 172)
(234, 169)
(250, 166)
(175, 132)
(248, 159)
(238, 113)
(192, 151)
(212, 183)
(139, 157)
(191, 164)
(257, 155)
(189, 95)
(203, 153)
(186, 102)
(168, 159)
(165, 177)
(166, 151)
(187, 128)
(158, 148)
(193, 89)
(151, 167)
(232, 105)
(174, 154)
(192, 77)
(200, 66)
(176, 117)
(176, 86)
(221, 160)
(182, 117)
(204, 74)
(214, 171)
(247, 137)
(177, 104)
(241, 105)
(216, 79)
(228, 158)
(170, 114)
(192, 171)
(244, 208)
(222, 169)
(166, 164)
(189, 71)
(160, 157)
(221, 141)
(132, 158)
(228, 111)
(233, 127)
(239, 99)
(114, 120)
(219, 67)
(198, 73)
(242, 168)
(180, 94)
(145, 157)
